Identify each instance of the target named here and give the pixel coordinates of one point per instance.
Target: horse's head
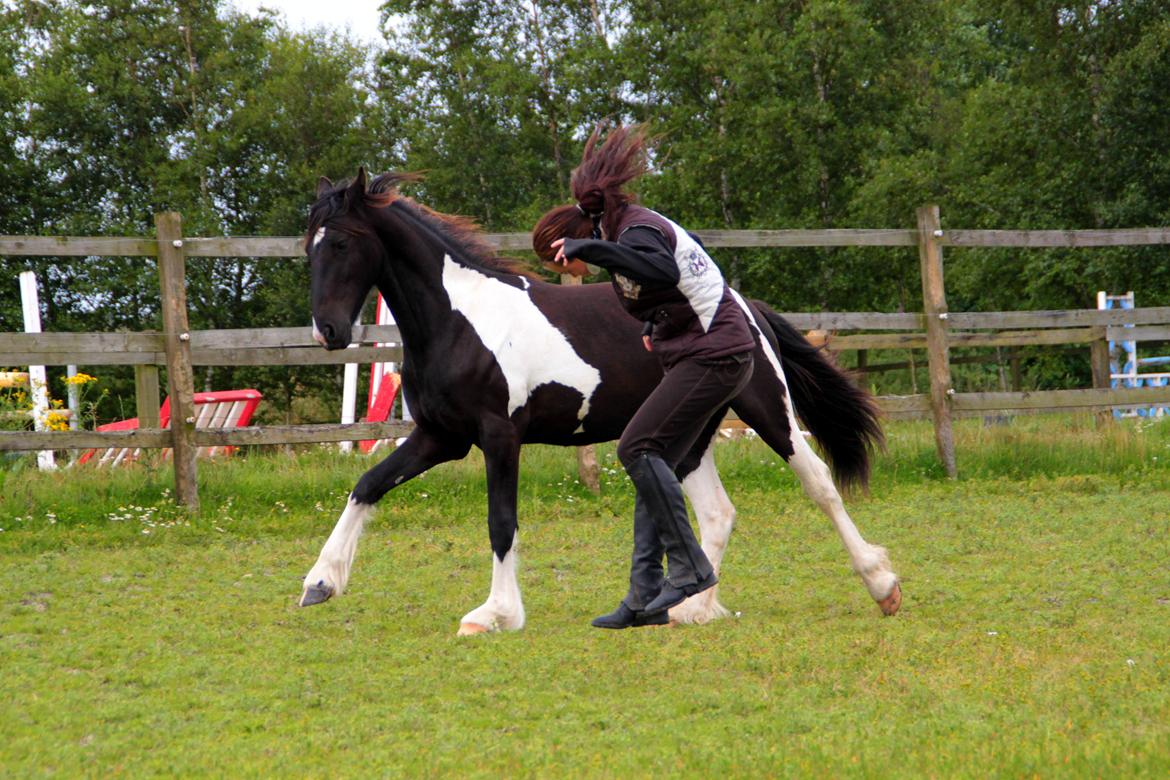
(345, 257)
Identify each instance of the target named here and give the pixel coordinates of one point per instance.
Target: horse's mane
(382, 192)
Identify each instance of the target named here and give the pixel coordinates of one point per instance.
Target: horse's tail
(842, 417)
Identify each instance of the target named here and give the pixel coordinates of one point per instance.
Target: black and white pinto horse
(496, 358)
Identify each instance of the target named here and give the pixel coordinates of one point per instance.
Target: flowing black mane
(335, 210)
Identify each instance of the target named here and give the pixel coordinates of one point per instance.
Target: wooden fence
(935, 329)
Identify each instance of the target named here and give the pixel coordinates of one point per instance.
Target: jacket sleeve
(640, 253)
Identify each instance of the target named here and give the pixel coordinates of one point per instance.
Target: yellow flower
(80, 378)
(57, 422)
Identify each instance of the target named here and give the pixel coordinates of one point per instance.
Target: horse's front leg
(503, 609)
(419, 452)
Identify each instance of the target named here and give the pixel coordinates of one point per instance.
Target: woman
(664, 277)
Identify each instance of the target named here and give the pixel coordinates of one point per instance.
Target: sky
(360, 16)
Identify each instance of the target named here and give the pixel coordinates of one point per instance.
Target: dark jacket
(664, 277)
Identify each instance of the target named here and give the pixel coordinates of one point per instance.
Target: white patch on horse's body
(504, 609)
(336, 558)
(530, 351)
(773, 358)
(319, 236)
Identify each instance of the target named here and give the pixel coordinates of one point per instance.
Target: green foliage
(774, 114)
(130, 108)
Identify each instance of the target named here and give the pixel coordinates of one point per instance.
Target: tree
(496, 99)
(130, 108)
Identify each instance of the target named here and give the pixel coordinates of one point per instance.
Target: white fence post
(37, 379)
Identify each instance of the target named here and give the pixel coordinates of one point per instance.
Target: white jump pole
(37, 379)
(379, 370)
(349, 397)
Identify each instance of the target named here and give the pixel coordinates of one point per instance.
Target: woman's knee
(628, 451)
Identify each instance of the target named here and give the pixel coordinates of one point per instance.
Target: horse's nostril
(327, 332)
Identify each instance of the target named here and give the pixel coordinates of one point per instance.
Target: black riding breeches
(672, 417)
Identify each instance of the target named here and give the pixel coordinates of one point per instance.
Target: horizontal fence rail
(235, 347)
(936, 330)
(294, 246)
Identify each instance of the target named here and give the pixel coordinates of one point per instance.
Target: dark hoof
(893, 602)
(316, 594)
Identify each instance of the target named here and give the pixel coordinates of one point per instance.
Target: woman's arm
(640, 253)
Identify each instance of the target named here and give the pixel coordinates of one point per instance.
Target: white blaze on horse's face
(530, 351)
(318, 336)
(318, 237)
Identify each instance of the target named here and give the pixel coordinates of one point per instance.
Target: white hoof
(471, 629)
(700, 608)
(489, 619)
(877, 574)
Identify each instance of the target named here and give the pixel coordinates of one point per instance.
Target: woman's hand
(560, 258)
(565, 265)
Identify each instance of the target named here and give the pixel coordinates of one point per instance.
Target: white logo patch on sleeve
(699, 278)
(530, 351)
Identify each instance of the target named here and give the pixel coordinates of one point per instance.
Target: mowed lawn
(1034, 639)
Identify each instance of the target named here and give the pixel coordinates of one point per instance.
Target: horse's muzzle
(329, 337)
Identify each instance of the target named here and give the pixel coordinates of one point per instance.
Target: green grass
(136, 641)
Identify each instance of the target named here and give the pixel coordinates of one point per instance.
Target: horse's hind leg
(783, 434)
(716, 516)
(870, 561)
(421, 451)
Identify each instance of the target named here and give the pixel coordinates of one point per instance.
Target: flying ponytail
(598, 183)
(597, 186)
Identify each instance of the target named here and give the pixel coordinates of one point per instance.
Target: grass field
(1034, 639)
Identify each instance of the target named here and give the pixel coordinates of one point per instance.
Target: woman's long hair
(598, 187)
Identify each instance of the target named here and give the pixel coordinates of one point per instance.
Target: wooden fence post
(146, 396)
(934, 303)
(1099, 360)
(587, 467)
(180, 375)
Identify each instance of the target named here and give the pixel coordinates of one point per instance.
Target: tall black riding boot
(645, 576)
(688, 570)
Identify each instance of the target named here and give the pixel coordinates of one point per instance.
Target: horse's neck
(411, 283)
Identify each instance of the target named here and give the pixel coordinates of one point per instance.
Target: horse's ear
(357, 188)
(323, 187)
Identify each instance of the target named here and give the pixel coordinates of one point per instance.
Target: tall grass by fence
(935, 329)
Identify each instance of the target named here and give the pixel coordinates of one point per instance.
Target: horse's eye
(343, 244)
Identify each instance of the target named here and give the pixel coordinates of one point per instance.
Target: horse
(494, 357)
